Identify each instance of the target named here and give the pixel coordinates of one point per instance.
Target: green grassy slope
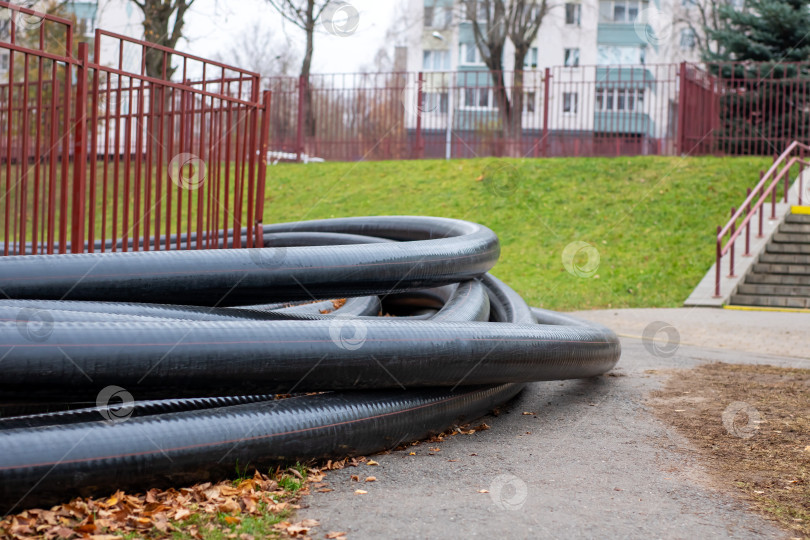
(651, 219)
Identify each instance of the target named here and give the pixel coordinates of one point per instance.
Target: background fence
(664, 109)
(96, 156)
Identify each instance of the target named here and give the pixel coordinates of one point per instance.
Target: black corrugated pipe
(204, 339)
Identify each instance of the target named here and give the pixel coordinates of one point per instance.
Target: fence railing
(667, 109)
(754, 205)
(577, 111)
(99, 154)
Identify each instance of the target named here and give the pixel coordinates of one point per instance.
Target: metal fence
(666, 109)
(582, 111)
(98, 156)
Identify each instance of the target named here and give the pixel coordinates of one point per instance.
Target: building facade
(600, 72)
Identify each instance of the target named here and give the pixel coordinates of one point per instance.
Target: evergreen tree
(765, 31)
(764, 76)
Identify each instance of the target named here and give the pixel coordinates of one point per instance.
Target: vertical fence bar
(732, 241)
(546, 95)
(717, 260)
(299, 135)
(748, 227)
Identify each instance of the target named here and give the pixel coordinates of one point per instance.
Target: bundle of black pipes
(204, 340)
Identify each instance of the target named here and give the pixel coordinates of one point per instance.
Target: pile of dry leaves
(158, 513)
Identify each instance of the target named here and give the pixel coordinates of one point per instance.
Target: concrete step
(784, 258)
(795, 228)
(773, 290)
(793, 269)
(793, 249)
(770, 301)
(797, 218)
(790, 238)
(777, 279)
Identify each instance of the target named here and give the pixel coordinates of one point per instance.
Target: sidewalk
(590, 462)
(764, 332)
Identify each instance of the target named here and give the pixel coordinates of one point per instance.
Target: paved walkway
(592, 461)
(764, 332)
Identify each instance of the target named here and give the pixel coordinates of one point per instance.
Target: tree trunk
(514, 131)
(309, 115)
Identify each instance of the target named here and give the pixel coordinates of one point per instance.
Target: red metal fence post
(546, 93)
(420, 102)
(717, 261)
(79, 154)
(260, 188)
(682, 94)
(299, 134)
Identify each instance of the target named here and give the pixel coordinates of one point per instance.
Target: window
(688, 39)
(481, 14)
(531, 58)
(4, 61)
(437, 17)
(619, 99)
(611, 56)
(529, 102)
(435, 102)
(428, 16)
(469, 55)
(573, 13)
(620, 11)
(435, 60)
(570, 102)
(571, 57)
(476, 98)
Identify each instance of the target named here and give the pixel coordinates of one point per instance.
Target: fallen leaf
(360, 491)
(526, 413)
(371, 463)
(335, 535)
(374, 479)
(231, 520)
(483, 491)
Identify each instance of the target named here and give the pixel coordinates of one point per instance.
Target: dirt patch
(751, 424)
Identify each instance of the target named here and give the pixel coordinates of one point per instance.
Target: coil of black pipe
(204, 341)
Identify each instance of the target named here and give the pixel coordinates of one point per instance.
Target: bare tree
(162, 25)
(262, 52)
(305, 15)
(702, 17)
(494, 21)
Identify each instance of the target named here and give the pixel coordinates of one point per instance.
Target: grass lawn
(650, 219)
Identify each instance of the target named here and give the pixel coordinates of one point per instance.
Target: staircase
(781, 276)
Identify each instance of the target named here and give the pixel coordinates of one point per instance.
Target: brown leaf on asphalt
(336, 535)
(483, 491)
(360, 491)
(354, 478)
(371, 463)
(371, 479)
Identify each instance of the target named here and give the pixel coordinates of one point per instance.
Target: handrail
(778, 172)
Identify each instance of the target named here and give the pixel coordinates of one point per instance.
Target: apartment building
(598, 69)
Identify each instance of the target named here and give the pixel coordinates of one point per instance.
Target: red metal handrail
(778, 172)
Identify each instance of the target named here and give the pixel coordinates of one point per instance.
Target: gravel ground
(592, 462)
